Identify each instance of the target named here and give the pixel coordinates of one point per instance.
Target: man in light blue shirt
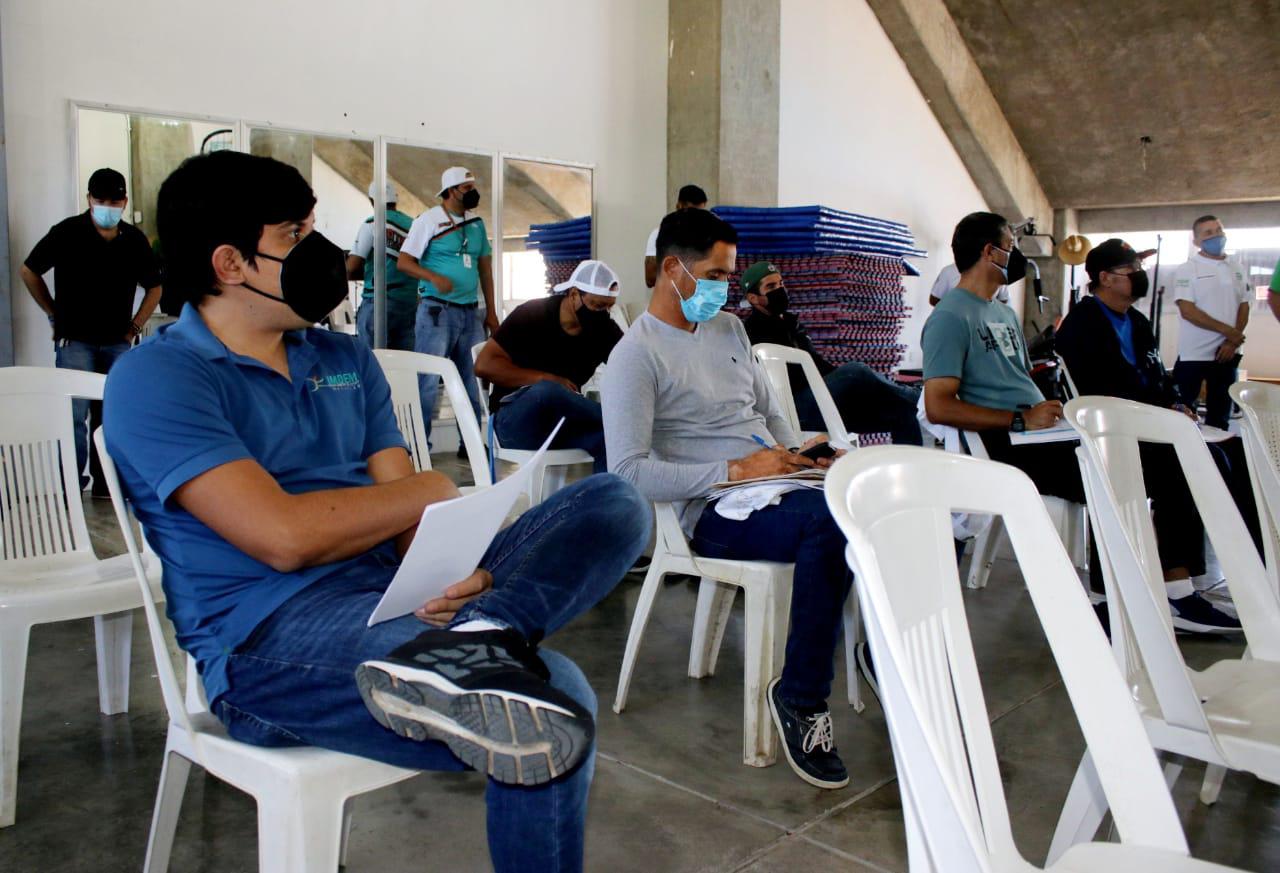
(448, 252)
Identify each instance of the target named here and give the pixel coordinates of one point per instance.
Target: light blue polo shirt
(452, 247)
(181, 404)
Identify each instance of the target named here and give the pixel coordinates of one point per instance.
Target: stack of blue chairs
(563, 245)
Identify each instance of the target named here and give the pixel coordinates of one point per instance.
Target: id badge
(466, 261)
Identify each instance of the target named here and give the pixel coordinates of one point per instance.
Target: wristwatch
(1019, 424)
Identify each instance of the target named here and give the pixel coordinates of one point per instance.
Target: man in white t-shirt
(949, 278)
(1212, 295)
(690, 197)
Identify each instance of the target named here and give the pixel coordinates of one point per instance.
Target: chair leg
(300, 829)
(764, 643)
(13, 675)
(852, 636)
(984, 554)
(640, 621)
(715, 605)
(1082, 813)
(1213, 776)
(537, 487)
(164, 820)
(113, 635)
(555, 475)
(346, 832)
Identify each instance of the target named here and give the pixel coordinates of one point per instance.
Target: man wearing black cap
(1109, 349)
(868, 402)
(98, 262)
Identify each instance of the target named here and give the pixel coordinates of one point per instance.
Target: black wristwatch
(1019, 424)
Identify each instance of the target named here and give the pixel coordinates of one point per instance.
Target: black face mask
(591, 319)
(471, 199)
(777, 301)
(1138, 284)
(313, 277)
(1016, 268)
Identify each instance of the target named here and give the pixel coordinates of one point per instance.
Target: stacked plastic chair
(562, 244)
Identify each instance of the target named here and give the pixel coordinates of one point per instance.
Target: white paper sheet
(451, 539)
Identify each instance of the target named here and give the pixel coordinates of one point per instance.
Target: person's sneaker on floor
(484, 693)
(867, 668)
(641, 566)
(1214, 589)
(807, 742)
(1195, 614)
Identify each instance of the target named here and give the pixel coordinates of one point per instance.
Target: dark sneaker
(1194, 614)
(867, 667)
(486, 694)
(641, 566)
(807, 742)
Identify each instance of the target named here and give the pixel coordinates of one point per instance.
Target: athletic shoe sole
(1195, 627)
(786, 750)
(515, 739)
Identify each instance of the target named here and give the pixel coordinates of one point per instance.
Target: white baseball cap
(390, 192)
(592, 277)
(454, 176)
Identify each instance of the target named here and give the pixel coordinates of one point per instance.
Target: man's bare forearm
(409, 266)
(954, 412)
(149, 304)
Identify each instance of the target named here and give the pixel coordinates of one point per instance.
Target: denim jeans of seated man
(1188, 376)
(525, 417)
(868, 403)
(447, 332)
(293, 681)
(75, 355)
(400, 319)
(798, 530)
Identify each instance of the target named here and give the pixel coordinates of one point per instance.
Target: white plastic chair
(1260, 429)
(1228, 715)
(894, 505)
(556, 462)
(767, 592)
(48, 571)
(302, 793)
(402, 370)
(774, 359)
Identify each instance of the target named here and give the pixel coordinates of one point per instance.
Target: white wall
(856, 134)
(579, 80)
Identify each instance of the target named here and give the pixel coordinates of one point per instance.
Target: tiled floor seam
(848, 856)
(1024, 701)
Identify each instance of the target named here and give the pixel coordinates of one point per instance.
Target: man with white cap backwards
(402, 290)
(448, 252)
(541, 355)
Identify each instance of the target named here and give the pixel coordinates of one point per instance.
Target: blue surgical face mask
(106, 217)
(708, 298)
(1214, 245)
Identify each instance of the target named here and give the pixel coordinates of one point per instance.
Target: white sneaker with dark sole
(484, 694)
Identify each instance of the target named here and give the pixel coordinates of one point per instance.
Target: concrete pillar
(1054, 275)
(6, 295)
(722, 99)
(157, 146)
(295, 149)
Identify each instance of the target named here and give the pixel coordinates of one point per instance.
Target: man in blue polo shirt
(402, 290)
(448, 251)
(264, 463)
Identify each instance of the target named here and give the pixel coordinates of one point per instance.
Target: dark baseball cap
(106, 184)
(753, 274)
(1108, 255)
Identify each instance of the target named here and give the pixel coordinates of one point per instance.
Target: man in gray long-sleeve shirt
(684, 403)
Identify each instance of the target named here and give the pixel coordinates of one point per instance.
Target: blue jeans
(868, 403)
(798, 530)
(75, 355)
(1189, 375)
(447, 332)
(524, 418)
(400, 318)
(292, 682)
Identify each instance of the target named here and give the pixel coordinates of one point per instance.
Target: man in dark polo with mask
(868, 402)
(99, 261)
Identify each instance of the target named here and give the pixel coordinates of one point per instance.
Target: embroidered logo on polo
(335, 382)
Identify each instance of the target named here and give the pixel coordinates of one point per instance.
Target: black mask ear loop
(264, 293)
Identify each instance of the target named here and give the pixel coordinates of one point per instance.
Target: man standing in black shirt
(868, 402)
(540, 357)
(98, 262)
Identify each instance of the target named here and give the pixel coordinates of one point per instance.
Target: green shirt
(1275, 279)
(980, 343)
(399, 286)
(452, 247)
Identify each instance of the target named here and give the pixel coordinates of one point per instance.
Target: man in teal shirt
(1273, 298)
(402, 290)
(448, 252)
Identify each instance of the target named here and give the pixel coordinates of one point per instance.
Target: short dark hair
(693, 195)
(974, 233)
(691, 234)
(1195, 225)
(222, 198)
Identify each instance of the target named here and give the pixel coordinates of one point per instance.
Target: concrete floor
(670, 794)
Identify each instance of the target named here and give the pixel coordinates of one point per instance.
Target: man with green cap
(868, 402)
